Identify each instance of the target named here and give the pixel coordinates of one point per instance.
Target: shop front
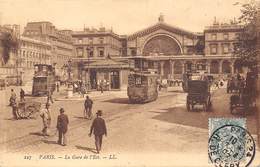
(108, 74)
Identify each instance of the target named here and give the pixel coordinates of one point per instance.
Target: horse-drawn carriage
(234, 85)
(245, 98)
(198, 93)
(28, 109)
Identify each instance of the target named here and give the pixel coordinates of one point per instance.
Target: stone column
(208, 66)
(161, 68)
(172, 68)
(183, 66)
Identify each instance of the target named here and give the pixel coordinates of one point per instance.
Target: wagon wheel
(231, 108)
(30, 110)
(21, 111)
(188, 105)
(209, 105)
(205, 106)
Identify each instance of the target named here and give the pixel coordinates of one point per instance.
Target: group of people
(98, 126)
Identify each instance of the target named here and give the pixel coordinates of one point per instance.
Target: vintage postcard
(129, 83)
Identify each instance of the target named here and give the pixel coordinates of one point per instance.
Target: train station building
(167, 49)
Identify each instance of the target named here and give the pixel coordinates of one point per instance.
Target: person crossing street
(62, 126)
(88, 108)
(46, 119)
(99, 128)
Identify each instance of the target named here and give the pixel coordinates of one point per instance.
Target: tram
(142, 87)
(43, 80)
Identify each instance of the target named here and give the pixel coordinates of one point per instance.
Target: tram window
(138, 81)
(44, 69)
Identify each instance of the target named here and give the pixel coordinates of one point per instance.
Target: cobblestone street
(136, 132)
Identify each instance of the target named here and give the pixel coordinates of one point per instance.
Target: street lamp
(69, 70)
(88, 78)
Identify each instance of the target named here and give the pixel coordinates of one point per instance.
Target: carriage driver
(46, 119)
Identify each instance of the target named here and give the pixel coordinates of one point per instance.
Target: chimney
(161, 18)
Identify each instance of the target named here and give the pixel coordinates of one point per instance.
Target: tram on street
(142, 87)
(43, 80)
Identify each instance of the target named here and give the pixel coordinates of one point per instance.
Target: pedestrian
(62, 126)
(49, 97)
(12, 97)
(46, 119)
(58, 86)
(14, 109)
(101, 86)
(88, 107)
(99, 127)
(22, 94)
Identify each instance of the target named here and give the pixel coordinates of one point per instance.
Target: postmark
(231, 146)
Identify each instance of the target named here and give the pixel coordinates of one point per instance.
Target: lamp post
(69, 70)
(70, 87)
(88, 71)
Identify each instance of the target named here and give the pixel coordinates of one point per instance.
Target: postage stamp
(230, 144)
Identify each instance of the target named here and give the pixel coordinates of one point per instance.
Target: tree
(9, 42)
(246, 50)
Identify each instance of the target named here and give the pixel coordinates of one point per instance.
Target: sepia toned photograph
(138, 83)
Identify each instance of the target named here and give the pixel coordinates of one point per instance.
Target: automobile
(198, 93)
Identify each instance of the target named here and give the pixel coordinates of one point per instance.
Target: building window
(237, 36)
(101, 52)
(145, 64)
(80, 52)
(133, 52)
(214, 36)
(213, 48)
(225, 48)
(236, 47)
(91, 41)
(79, 40)
(101, 40)
(90, 52)
(225, 36)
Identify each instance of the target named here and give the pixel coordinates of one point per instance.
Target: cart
(234, 85)
(27, 109)
(244, 101)
(198, 94)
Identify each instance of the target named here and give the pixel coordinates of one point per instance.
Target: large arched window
(161, 45)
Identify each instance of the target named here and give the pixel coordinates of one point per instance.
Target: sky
(124, 16)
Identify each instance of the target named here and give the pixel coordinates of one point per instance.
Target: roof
(161, 25)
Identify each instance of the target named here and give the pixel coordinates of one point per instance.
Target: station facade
(169, 50)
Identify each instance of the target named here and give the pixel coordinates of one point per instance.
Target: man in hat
(12, 98)
(46, 119)
(99, 127)
(88, 107)
(22, 94)
(62, 126)
(49, 97)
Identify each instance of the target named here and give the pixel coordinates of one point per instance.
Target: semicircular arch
(162, 43)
